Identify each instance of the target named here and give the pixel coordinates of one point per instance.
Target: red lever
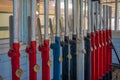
(96, 54)
(32, 60)
(93, 56)
(107, 51)
(104, 37)
(110, 62)
(101, 53)
(15, 60)
(45, 60)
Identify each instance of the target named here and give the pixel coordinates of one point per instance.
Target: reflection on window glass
(4, 25)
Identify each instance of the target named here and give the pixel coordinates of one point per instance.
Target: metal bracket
(100, 45)
(83, 51)
(36, 68)
(91, 48)
(60, 59)
(95, 47)
(49, 63)
(105, 43)
(69, 56)
(19, 73)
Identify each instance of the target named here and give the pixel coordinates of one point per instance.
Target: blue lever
(56, 54)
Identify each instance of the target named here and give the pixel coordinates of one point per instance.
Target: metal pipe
(101, 24)
(104, 17)
(57, 18)
(16, 12)
(93, 16)
(78, 20)
(11, 31)
(89, 16)
(33, 20)
(107, 25)
(97, 21)
(46, 18)
(39, 31)
(51, 30)
(110, 18)
(74, 16)
(116, 15)
(66, 17)
(81, 17)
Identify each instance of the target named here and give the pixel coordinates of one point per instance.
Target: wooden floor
(116, 75)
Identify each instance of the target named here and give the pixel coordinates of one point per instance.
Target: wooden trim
(4, 28)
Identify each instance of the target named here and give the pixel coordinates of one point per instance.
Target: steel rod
(57, 18)
(74, 16)
(46, 18)
(45, 48)
(33, 20)
(93, 73)
(66, 17)
(16, 12)
(80, 44)
(56, 46)
(116, 15)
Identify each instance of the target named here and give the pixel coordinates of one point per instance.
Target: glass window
(5, 12)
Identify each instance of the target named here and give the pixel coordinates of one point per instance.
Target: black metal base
(110, 75)
(107, 76)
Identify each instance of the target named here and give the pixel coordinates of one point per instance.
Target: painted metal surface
(93, 73)
(31, 48)
(88, 46)
(44, 48)
(14, 52)
(73, 44)
(80, 45)
(56, 46)
(65, 47)
(97, 41)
